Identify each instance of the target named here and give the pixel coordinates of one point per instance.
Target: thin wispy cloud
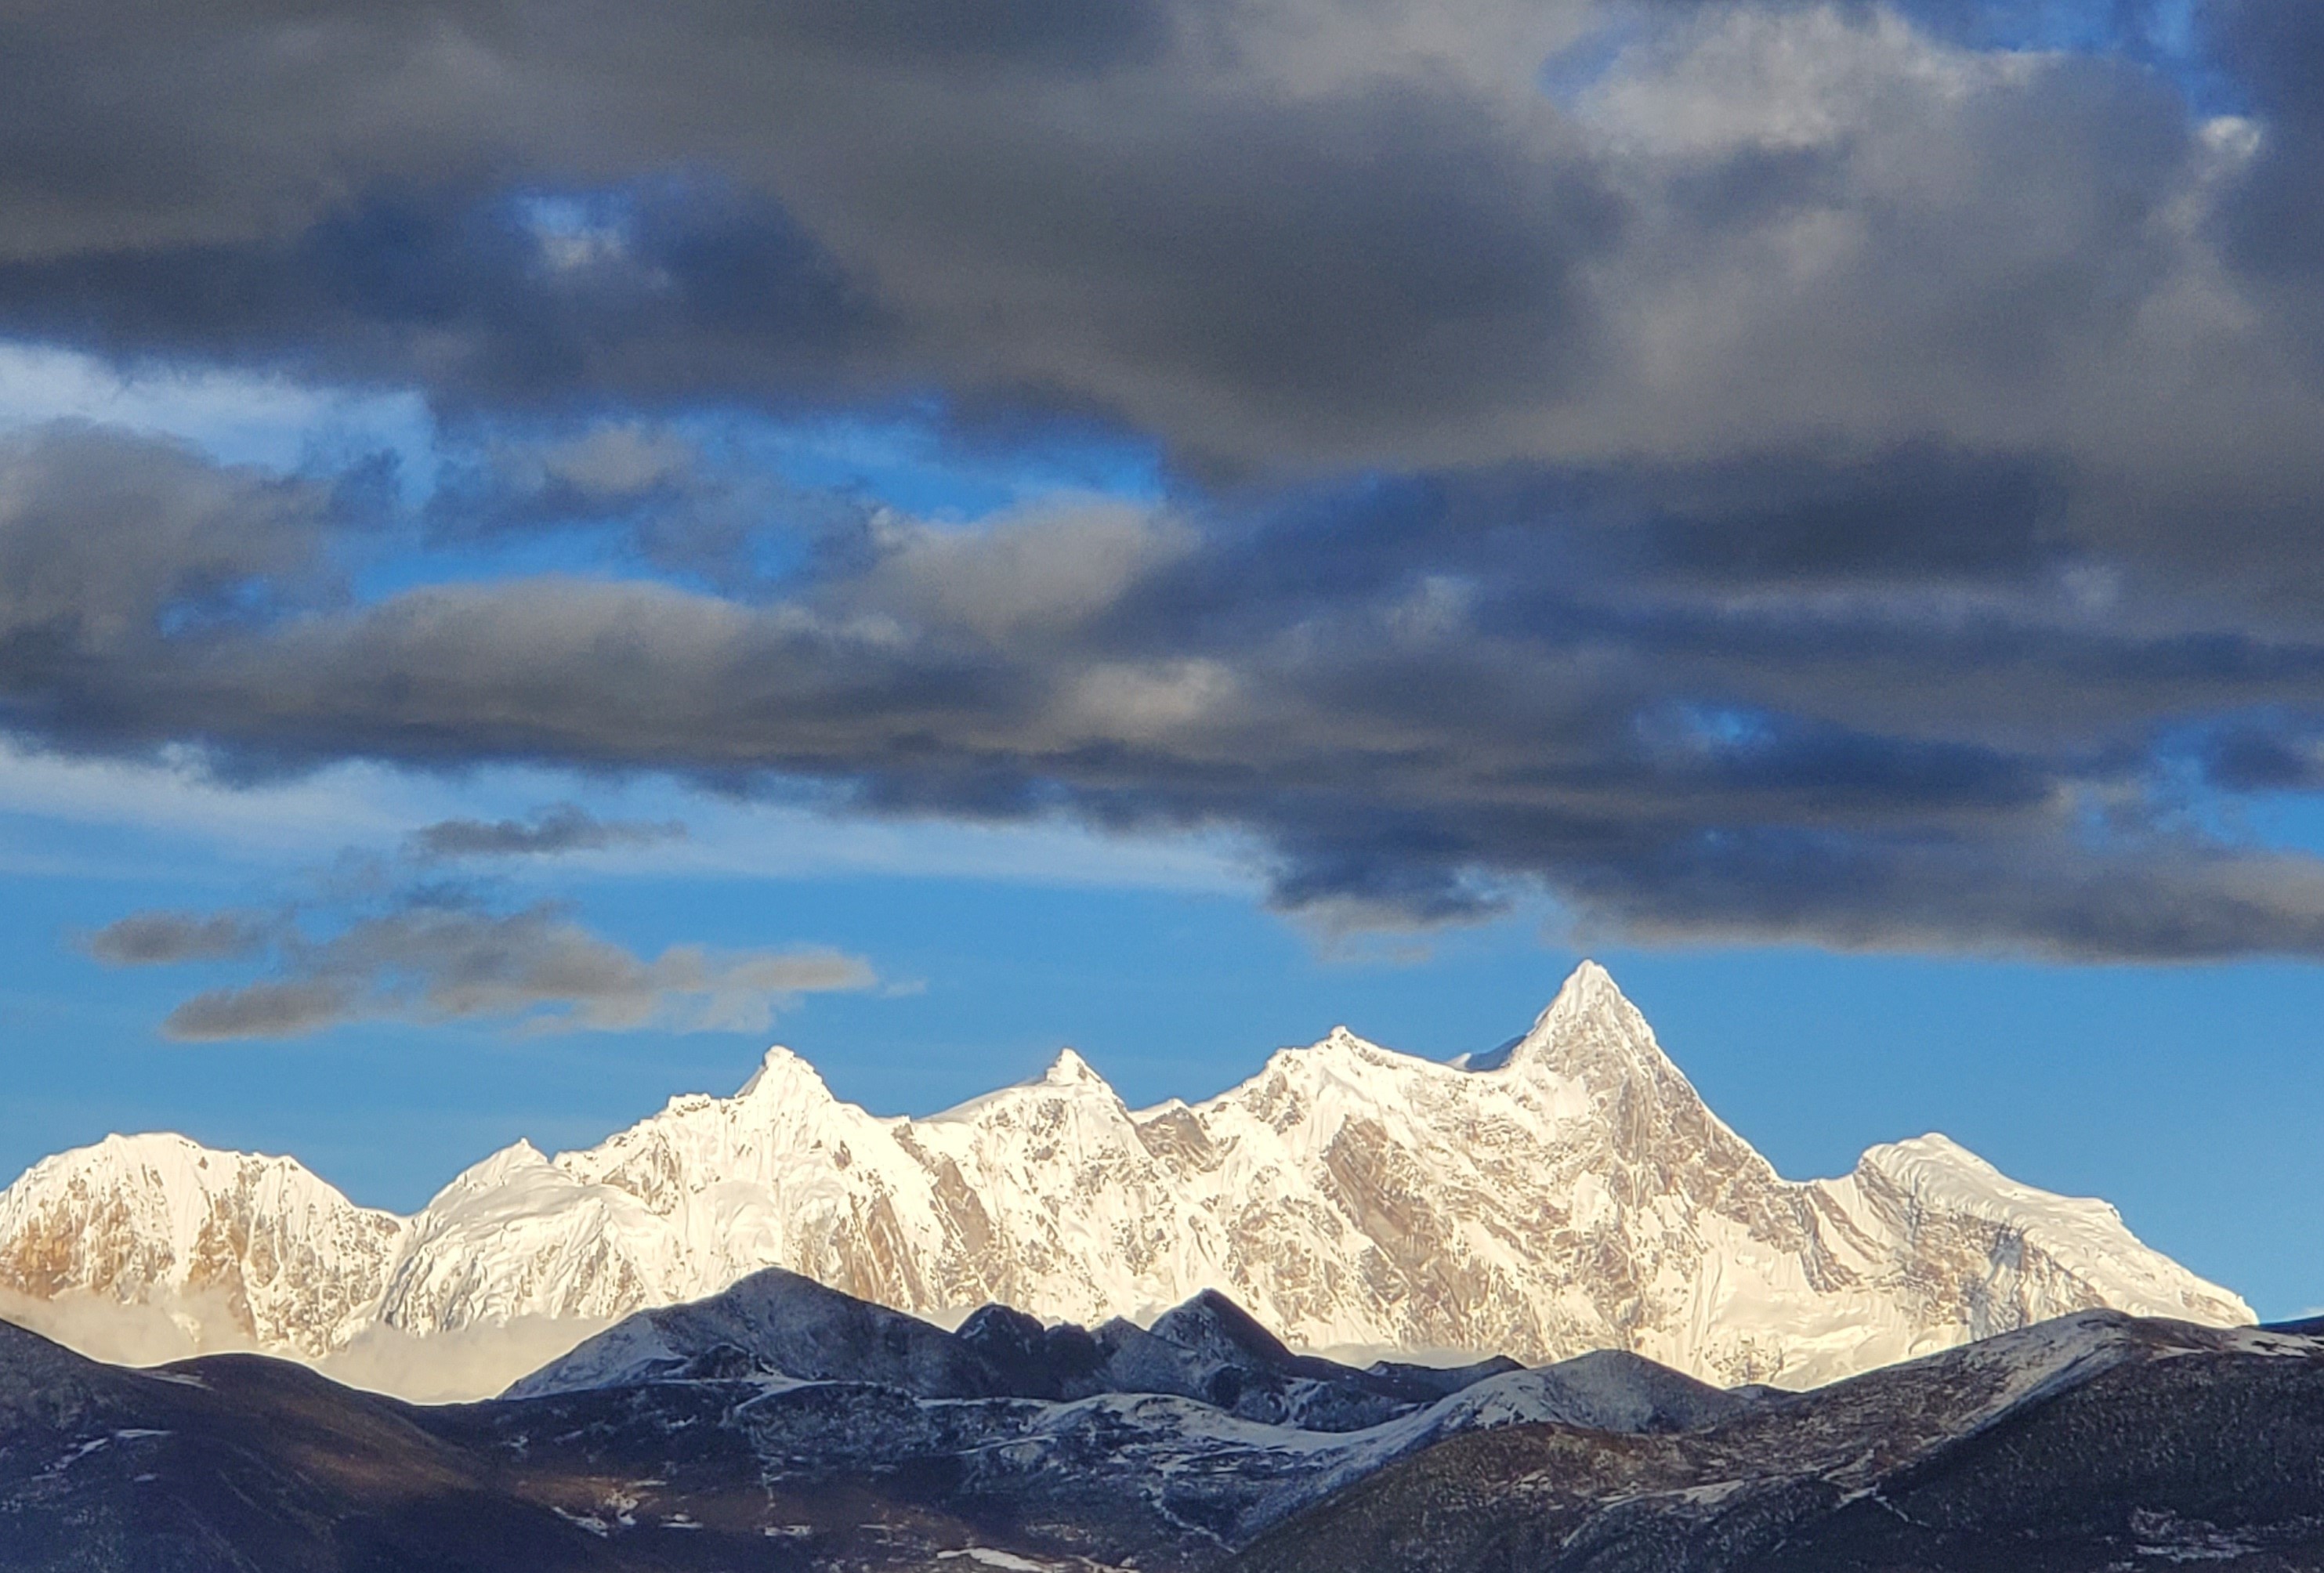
(394, 938)
(551, 831)
(157, 939)
(535, 970)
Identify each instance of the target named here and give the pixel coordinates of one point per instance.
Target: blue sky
(1164, 529)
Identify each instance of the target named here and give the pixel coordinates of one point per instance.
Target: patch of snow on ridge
(1569, 1194)
(1609, 1390)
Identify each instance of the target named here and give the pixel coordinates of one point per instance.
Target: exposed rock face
(1572, 1194)
(259, 1247)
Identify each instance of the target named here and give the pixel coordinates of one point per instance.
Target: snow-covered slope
(256, 1244)
(1573, 1193)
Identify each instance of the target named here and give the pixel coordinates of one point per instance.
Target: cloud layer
(1819, 472)
(550, 832)
(535, 967)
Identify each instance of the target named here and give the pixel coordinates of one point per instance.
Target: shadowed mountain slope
(251, 1464)
(2089, 1445)
(782, 1426)
(777, 1324)
(779, 1426)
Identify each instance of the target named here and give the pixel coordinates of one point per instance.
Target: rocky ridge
(780, 1425)
(2096, 1443)
(260, 1244)
(1570, 1194)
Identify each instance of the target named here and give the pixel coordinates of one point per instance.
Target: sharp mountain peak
(783, 1073)
(1070, 1069)
(1590, 1030)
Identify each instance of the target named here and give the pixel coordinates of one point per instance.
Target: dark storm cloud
(1273, 234)
(2155, 902)
(1807, 477)
(535, 967)
(2265, 754)
(1122, 208)
(1421, 742)
(103, 541)
(671, 290)
(1917, 515)
(1070, 36)
(2275, 225)
(667, 499)
(550, 832)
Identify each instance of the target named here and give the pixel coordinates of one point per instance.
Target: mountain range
(1570, 1193)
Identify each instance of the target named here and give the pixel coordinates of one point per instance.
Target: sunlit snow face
(1578, 1196)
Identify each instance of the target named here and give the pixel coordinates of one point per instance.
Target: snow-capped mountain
(261, 1243)
(1570, 1193)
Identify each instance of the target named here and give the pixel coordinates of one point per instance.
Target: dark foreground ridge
(777, 1323)
(250, 1464)
(2097, 1443)
(785, 1427)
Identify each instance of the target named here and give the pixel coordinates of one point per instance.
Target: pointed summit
(1068, 1073)
(1346, 1193)
(1070, 1069)
(783, 1075)
(1589, 987)
(1590, 1023)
